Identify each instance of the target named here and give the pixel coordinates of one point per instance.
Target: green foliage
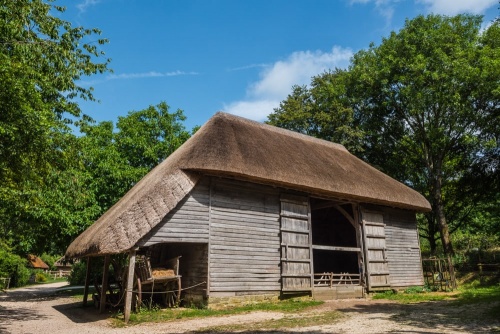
(77, 274)
(313, 112)
(42, 59)
(50, 260)
(115, 159)
(13, 266)
(40, 277)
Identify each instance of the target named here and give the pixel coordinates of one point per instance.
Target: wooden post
(104, 286)
(130, 285)
(87, 282)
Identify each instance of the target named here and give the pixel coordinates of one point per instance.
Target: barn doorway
(336, 251)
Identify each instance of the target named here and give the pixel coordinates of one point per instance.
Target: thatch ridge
(229, 145)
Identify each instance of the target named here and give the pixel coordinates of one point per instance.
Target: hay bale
(163, 272)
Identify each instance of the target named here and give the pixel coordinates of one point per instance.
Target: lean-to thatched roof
(228, 145)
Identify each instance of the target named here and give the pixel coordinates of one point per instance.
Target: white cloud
(277, 80)
(82, 7)
(455, 7)
(384, 7)
(248, 67)
(152, 74)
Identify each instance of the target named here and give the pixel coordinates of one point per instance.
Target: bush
(13, 266)
(50, 260)
(40, 277)
(77, 275)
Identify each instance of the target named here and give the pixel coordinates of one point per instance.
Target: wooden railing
(58, 273)
(4, 283)
(331, 279)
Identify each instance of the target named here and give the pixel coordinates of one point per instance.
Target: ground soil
(39, 309)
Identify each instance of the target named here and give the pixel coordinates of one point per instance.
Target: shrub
(40, 277)
(13, 266)
(77, 275)
(50, 260)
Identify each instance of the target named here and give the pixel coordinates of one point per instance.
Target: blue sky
(242, 57)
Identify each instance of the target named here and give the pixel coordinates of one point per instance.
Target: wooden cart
(164, 280)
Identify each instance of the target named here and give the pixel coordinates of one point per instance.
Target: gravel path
(39, 310)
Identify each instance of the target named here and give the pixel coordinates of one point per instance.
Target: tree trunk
(431, 232)
(440, 216)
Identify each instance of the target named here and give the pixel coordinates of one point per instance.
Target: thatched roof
(228, 145)
(36, 262)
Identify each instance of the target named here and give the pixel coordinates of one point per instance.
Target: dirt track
(39, 310)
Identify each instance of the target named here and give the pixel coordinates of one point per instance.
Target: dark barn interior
(331, 228)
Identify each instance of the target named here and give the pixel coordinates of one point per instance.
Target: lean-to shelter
(258, 210)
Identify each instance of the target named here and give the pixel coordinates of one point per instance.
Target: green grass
(490, 295)
(165, 315)
(415, 297)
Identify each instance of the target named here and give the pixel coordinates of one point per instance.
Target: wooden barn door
(296, 251)
(377, 269)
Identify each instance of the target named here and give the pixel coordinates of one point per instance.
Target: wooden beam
(87, 282)
(104, 286)
(130, 284)
(346, 214)
(335, 248)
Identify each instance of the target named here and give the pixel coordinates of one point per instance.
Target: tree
(42, 58)
(117, 158)
(148, 136)
(427, 101)
(314, 113)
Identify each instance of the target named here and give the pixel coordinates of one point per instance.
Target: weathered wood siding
(244, 252)
(403, 251)
(375, 246)
(187, 222)
(296, 253)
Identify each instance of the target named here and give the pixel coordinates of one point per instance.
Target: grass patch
(165, 315)
(53, 280)
(288, 321)
(415, 297)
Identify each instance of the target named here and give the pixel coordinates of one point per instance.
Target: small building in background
(36, 263)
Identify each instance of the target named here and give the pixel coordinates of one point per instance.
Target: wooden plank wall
(244, 238)
(187, 222)
(403, 251)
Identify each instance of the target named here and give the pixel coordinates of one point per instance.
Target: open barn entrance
(336, 251)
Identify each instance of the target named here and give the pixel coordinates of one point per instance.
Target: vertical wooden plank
(377, 269)
(87, 282)
(297, 273)
(359, 240)
(210, 195)
(105, 273)
(311, 263)
(130, 285)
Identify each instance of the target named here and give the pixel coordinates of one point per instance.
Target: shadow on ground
(78, 313)
(448, 315)
(10, 315)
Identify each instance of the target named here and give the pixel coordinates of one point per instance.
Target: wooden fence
(331, 279)
(58, 273)
(4, 283)
(439, 274)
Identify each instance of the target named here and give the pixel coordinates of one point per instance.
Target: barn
(257, 210)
